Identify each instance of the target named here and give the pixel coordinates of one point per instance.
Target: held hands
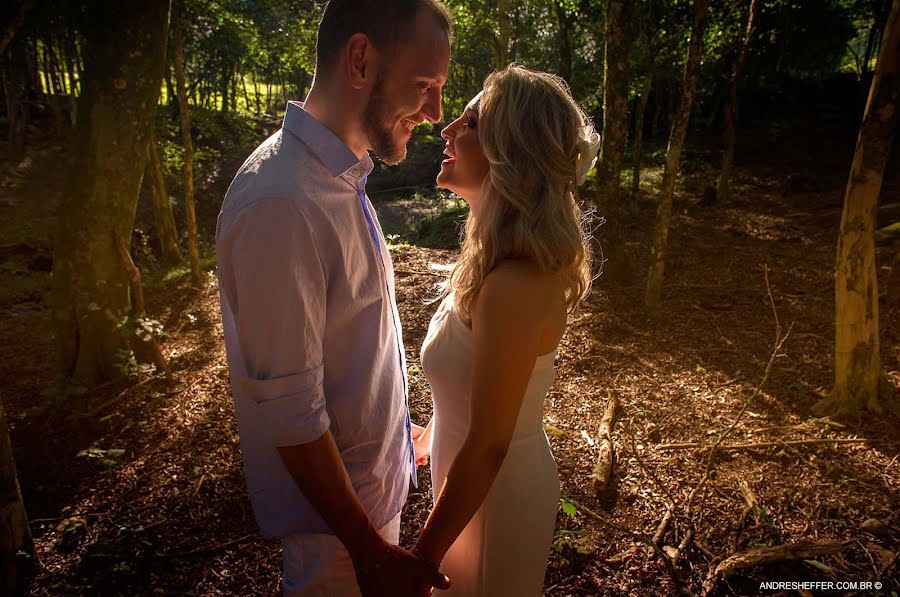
(421, 444)
(393, 571)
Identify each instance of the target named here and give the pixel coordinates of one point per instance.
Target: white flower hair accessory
(588, 147)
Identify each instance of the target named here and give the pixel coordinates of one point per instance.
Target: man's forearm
(319, 472)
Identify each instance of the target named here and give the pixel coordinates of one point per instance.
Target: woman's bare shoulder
(520, 282)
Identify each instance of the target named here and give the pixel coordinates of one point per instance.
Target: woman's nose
(448, 132)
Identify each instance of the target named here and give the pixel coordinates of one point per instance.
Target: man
(311, 325)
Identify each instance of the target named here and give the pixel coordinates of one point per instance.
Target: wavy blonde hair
(528, 126)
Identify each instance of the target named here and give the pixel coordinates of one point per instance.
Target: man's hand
(394, 571)
(421, 444)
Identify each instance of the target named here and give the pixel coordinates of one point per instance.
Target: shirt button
(355, 172)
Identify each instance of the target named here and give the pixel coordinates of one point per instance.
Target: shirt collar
(330, 150)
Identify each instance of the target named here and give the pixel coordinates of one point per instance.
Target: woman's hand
(421, 443)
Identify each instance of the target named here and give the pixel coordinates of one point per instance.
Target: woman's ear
(358, 63)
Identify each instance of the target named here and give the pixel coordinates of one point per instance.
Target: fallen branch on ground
(606, 461)
(759, 445)
(752, 504)
(759, 556)
(663, 524)
(640, 538)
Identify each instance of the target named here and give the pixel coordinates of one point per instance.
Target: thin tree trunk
(565, 42)
(673, 157)
(54, 87)
(615, 132)
(234, 92)
(190, 215)
(857, 363)
(122, 82)
(875, 33)
(226, 97)
(71, 70)
(20, 109)
(639, 131)
(732, 105)
(69, 59)
(10, 32)
(162, 207)
(246, 93)
(502, 32)
(17, 555)
(256, 93)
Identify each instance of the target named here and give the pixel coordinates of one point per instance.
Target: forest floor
(136, 487)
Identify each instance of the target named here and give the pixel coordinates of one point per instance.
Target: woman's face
(465, 167)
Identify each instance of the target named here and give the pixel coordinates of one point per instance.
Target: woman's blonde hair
(528, 127)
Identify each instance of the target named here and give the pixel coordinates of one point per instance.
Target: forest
(726, 414)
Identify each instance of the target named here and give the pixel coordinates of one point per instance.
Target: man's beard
(380, 134)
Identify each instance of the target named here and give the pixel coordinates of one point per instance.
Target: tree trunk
(71, 70)
(875, 33)
(121, 87)
(857, 363)
(673, 156)
(226, 96)
(615, 131)
(565, 41)
(190, 215)
(246, 93)
(723, 188)
(256, 93)
(502, 32)
(639, 131)
(17, 557)
(162, 207)
(10, 31)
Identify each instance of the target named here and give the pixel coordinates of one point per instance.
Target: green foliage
(442, 230)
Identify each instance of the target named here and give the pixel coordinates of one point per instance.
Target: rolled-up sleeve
(275, 285)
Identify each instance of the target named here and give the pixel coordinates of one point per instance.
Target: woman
(515, 155)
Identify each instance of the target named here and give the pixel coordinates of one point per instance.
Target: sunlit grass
(207, 264)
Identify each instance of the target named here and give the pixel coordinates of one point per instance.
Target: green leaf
(568, 507)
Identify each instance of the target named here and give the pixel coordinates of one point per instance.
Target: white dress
(503, 550)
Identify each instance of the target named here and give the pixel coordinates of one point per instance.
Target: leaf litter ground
(136, 487)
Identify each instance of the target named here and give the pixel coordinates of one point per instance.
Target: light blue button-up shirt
(312, 331)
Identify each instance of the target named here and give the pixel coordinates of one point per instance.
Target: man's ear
(360, 59)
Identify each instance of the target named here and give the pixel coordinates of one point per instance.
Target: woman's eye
(471, 122)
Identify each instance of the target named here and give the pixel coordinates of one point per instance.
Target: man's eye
(424, 87)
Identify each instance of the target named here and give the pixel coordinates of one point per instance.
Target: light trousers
(320, 566)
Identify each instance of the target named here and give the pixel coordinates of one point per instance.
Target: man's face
(407, 89)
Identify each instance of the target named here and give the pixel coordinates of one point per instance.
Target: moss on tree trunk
(673, 157)
(857, 364)
(188, 171)
(162, 207)
(615, 131)
(122, 80)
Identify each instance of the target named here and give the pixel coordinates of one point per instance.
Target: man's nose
(431, 110)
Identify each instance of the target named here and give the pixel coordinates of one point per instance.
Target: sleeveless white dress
(503, 550)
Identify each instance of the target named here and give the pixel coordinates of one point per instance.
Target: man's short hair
(384, 22)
